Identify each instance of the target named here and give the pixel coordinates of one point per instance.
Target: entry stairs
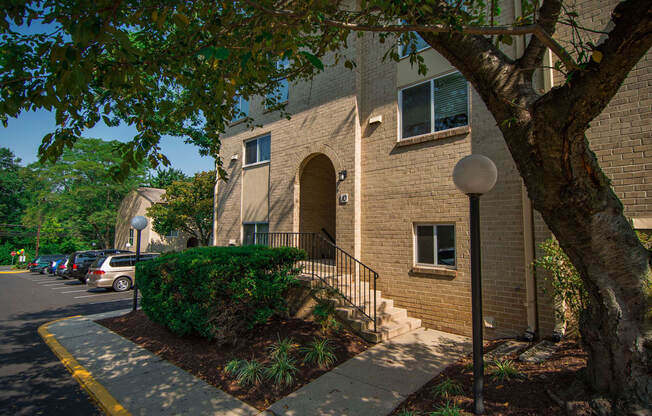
(391, 321)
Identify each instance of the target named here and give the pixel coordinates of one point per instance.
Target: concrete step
(382, 304)
(387, 332)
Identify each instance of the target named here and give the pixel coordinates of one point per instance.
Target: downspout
(528, 226)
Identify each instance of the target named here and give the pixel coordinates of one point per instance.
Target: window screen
(451, 102)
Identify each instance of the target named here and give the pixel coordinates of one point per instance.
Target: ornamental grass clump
(447, 388)
(250, 373)
(281, 370)
(505, 371)
(282, 347)
(319, 352)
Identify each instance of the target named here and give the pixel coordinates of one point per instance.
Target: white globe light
(139, 222)
(475, 174)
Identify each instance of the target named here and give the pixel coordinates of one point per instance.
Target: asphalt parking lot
(32, 379)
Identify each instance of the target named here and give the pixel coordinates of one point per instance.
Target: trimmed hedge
(217, 292)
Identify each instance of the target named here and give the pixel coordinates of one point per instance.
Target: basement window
(434, 245)
(250, 233)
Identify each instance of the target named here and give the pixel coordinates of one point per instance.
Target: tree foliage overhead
(162, 178)
(174, 67)
(186, 206)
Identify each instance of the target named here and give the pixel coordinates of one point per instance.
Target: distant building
(136, 203)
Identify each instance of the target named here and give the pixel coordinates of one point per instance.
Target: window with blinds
(435, 105)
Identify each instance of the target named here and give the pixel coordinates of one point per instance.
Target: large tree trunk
(546, 137)
(614, 266)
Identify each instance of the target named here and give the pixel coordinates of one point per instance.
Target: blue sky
(23, 136)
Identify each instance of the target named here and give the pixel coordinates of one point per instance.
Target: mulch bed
(516, 397)
(204, 359)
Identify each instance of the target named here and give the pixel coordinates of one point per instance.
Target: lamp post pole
(139, 223)
(476, 175)
(137, 260)
(476, 305)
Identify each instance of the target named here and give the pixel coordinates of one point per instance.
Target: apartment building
(366, 162)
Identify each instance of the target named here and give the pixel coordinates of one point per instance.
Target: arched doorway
(317, 197)
(192, 242)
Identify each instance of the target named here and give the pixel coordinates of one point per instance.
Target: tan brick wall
(402, 185)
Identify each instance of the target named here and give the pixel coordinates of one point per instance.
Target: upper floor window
(434, 245)
(405, 48)
(131, 236)
(240, 108)
(257, 150)
(435, 105)
(172, 233)
(281, 93)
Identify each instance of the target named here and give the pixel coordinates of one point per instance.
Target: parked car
(62, 268)
(52, 268)
(80, 261)
(116, 271)
(39, 264)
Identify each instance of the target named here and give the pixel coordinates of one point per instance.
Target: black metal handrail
(354, 281)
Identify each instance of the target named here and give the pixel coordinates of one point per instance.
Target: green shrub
(567, 285)
(406, 412)
(217, 292)
(319, 352)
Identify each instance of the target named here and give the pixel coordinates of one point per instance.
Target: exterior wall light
(476, 175)
(139, 223)
(341, 175)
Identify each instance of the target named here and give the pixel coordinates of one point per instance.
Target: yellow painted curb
(14, 271)
(107, 403)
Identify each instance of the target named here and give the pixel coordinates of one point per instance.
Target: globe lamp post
(139, 223)
(476, 175)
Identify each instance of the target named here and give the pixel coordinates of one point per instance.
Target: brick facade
(403, 183)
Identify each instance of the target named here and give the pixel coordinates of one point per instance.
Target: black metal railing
(354, 281)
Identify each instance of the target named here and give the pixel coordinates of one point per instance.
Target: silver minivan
(116, 271)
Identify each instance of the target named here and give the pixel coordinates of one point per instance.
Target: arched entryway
(192, 242)
(317, 197)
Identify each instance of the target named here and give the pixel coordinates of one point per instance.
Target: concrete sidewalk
(376, 381)
(131, 380)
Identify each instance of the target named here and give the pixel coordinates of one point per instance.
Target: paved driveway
(32, 380)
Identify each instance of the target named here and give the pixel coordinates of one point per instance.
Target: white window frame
(255, 224)
(415, 246)
(258, 162)
(172, 234)
(432, 106)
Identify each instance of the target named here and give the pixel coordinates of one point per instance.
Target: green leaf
(316, 62)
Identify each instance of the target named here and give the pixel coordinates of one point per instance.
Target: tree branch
(548, 16)
(534, 29)
(589, 91)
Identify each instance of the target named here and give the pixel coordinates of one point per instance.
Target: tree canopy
(175, 67)
(186, 206)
